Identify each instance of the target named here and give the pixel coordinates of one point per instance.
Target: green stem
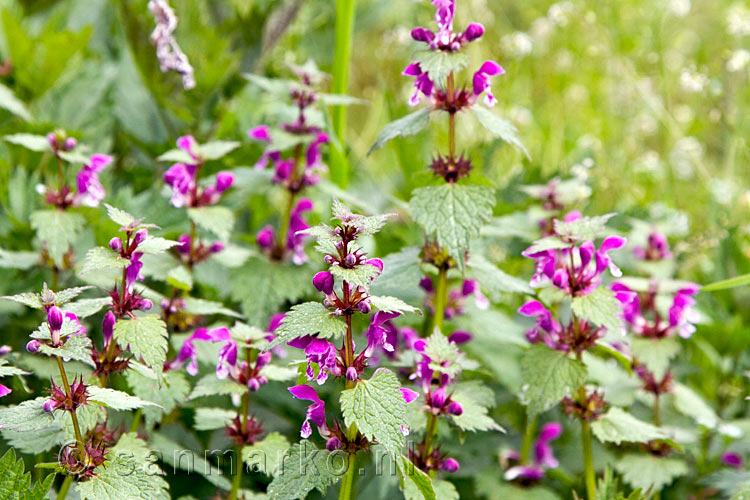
(528, 439)
(136, 420)
(73, 416)
(63, 491)
(237, 479)
(588, 460)
(347, 483)
(441, 297)
(344, 30)
(657, 410)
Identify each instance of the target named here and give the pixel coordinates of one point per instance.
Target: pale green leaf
(415, 483)
(494, 279)
(19, 260)
(548, 376)
(583, 229)
(145, 337)
(601, 308)
(439, 64)
(99, 258)
(209, 419)
(77, 347)
(57, 229)
(392, 304)
(116, 400)
(656, 354)
(408, 125)
(357, 276)
(168, 395)
(216, 149)
(499, 127)
(303, 469)
(215, 219)
(265, 455)
(212, 386)
(155, 245)
(617, 426)
(647, 471)
(9, 101)
(308, 318)
(476, 399)
(30, 141)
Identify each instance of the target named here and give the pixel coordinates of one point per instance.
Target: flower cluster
(446, 39)
(645, 318)
(56, 319)
(543, 458)
(455, 303)
(168, 52)
(183, 178)
(656, 249)
(107, 360)
(295, 238)
(191, 252)
(127, 299)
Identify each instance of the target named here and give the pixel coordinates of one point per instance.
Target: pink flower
(90, 189)
(422, 83)
(227, 353)
(482, 81)
(316, 412)
(543, 456)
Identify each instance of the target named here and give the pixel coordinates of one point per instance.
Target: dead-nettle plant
(451, 213)
(75, 413)
(58, 227)
(372, 410)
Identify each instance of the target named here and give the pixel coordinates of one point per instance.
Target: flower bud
(263, 359)
(216, 247)
(376, 263)
(262, 380)
(351, 373)
(115, 244)
(253, 384)
(364, 307)
(450, 465)
(6, 349)
(473, 32)
(52, 139)
(420, 34)
(460, 337)
(350, 260)
(145, 305)
(438, 398)
(70, 143)
(108, 326)
(323, 282)
(333, 444)
(184, 244)
(140, 236)
(33, 346)
(224, 181)
(265, 238)
(455, 408)
(55, 318)
(328, 259)
(49, 406)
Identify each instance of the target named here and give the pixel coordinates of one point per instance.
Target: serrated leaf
(378, 409)
(499, 127)
(176, 156)
(212, 386)
(601, 308)
(439, 64)
(655, 354)
(617, 426)
(357, 276)
(180, 277)
(548, 243)
(119, 217)
(494, 279)
(690, 404)
(19, 260)
(9, 101)
(454, 214)
(68, 294)
(476, 399)
(145, 337)
(415, 483)
(308, 318)
(392, 304)
(155, 245)
(366, 225)
(15, 483)
(303, 469)
(87, 307)
(69, 327)
(29, 141)
(648, 471)
(58, 229)
(400, 276)
(410, 124)
(77, 347)
(583, 229)
(29, 299)
(117, 400)
(548, 376)
(168, 394)
(444, 355)
(265, 455)
(205, 307)
(209, 419)
(29, 416)
(214, 150)
(99, 258)
(215, 219)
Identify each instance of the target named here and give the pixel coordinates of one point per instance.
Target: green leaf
(303, 468)
(378, 409)
(87, 307)
(548, 243)
(392, 304)
(548, 376)
(212, 386)
(499, 127)
(68, 294)
(308, 318)
(77, 347)
(119, 217)
(617, 426)
(583, 229)
(655, 354)
(401, 275)
(15, 483)
(209, 419)
(177, 456)
(29, 141)
(416, 484)
(9, 101)
(176, 156)
(648, 471)
(180, 277)
(439, 64)
(168, 394)
(476, 399)
(444, 355)
(117, 400)
(690, 404)
(216, 149)
(601, 308)
(28, 416)
(131, 472)
(206, 307)
(366, 225)
(29, 299)
(215, 219)
(357, 276)
(493, 279)
(57, 229)
(19, 260)
(727, 284)
(410, 124)
(145, 337)
(155, 245)
(99, 258)
(453, 213)
(265, 455)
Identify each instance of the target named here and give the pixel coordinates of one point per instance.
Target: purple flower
(450, 465)
(316, 412)
(265, 238)
(732, 459)
(323, 282)
(90, 189)
(321, 352)
(474, 31)
(227, 352)
(377, 333)
(409, 394)
(115, 244)
(33, 346)
(422, 83)
(188, 144)
(181, 178)
(295, 241)
(681, 314)
(133, 271)
(543, 456)
(224, 181)
(482, 81)
(657, 248)
(4, 391)
(108, 326)
(168, 52)
(260, 133)
(460, 337)
(55, 318)
(646, 320)
(546, 330)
